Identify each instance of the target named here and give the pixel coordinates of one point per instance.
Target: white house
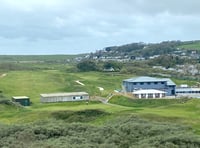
(149, 93)
(63, 97)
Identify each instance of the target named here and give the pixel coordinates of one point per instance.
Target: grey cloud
(64, 23)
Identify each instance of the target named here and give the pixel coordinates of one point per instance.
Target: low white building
(188, 92)
(149, 93)
(63, 97)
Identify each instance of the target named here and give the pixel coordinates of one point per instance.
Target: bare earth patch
(100, 88)
(3, 75)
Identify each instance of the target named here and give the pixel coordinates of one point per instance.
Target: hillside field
(191, 46)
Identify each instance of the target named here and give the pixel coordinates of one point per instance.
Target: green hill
(192, 45)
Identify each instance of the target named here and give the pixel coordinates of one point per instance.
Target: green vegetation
(123, 132)
(87, 65)
(195, 45)
(37, 58)
(121, 100)
(79, 116)
(181, 111)
(123, 122)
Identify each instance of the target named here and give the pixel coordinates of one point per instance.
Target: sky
(84, 26)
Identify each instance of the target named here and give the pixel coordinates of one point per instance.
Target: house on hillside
(63, 97)
(150, 83)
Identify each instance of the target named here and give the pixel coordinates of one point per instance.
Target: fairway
(34, 83)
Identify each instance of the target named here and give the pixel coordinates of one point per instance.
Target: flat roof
(64, 94)
(20, 97)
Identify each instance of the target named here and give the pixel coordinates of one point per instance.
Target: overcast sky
(81, 26)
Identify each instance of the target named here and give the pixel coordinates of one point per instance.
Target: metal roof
(169, 81)
(150, 79)
(149, 91)
(64, 94)
(20, 97)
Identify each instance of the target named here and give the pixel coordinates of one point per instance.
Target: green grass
(188, 82)
(45, 58)
(33, 83)
(191, 46)
(182, 111)
(121, 100)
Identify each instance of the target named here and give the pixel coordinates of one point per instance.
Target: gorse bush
(123, 132)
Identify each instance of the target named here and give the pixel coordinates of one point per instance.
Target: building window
(143, 95)
(74, 98)
(81, 97)
(162, 82)
(150, 95)
(155, 82)
(148, 83)
(157, 95)
(141, 83)
(134, 83)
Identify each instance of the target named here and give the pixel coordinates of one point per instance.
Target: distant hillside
(38, 58)
(191, 45)
(148, 49)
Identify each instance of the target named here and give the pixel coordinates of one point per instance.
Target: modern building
(138, 83)
(23, 100)
(149, 93)
(63, 97)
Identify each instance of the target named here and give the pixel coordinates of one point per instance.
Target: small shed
(23, 100)
(63, 97)
(149, 93)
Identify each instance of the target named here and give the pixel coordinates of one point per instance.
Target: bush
(123, 132)
(79, 116)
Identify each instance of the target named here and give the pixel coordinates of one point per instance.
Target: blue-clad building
(137, 83)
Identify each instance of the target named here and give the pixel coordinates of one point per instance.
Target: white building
(188, 92)
(149, 93)
(63, 97)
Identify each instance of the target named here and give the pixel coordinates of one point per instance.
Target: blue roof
(169, 81)
(150, 79)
